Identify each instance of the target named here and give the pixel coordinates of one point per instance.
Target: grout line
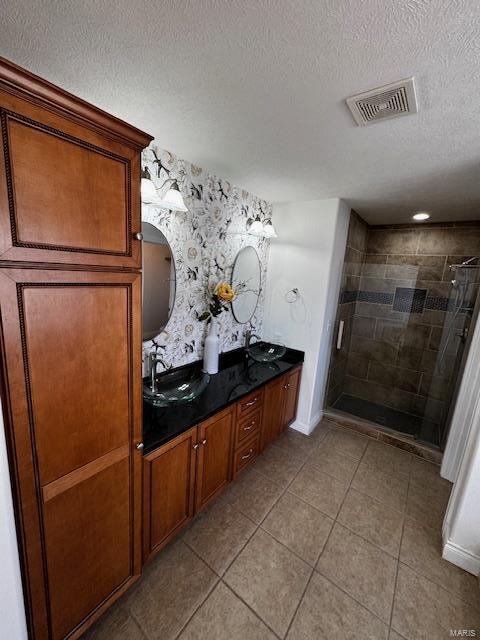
(210, 591)
(400, 550)
(250, 608)
(137, 624)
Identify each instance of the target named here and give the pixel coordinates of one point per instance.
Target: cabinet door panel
(79, 371)
(169, 485)
(68, 196)
(273, 410)
(67, 460)
(88, 541)
(215, 437)
(292, 383)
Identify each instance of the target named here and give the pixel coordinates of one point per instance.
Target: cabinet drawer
(249, 403)
(246, 454)
(248, 425)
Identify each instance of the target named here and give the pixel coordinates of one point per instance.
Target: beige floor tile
(421, 550)
(319, 489)
(395, 636)
(347, 442)
(426, 505)
(334, 462)
(270, 579)
(278, 464)
(326, 612)
(223, 616)
(301, 446)
(170, 590)
(321, 430)
(388, 488)
(218, 534)
(253, 494)
(362, 570)
(116, 623)
(427, 474)
(298, 526)
(372, 520)
(422, 609)
(386, 458)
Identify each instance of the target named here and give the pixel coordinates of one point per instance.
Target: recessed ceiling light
(421, 215)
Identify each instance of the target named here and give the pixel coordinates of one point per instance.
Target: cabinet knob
(196, 445)
(248, 455)
(139, 446)
(138, 235)
(204, 442)
(251, 403)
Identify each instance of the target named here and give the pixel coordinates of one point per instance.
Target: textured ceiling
(254, 90)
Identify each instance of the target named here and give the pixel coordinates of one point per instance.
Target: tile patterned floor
(330, 536)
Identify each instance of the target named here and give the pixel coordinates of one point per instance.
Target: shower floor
(407, 423)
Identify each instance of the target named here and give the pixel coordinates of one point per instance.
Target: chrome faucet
(248, 336)
(154, 360)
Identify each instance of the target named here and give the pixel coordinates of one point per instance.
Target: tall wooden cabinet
(70, 311)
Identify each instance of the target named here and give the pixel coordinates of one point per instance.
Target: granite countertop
(238, 376)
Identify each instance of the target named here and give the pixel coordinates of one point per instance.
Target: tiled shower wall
(398, 305)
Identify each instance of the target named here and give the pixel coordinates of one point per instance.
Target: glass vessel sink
(266, 351)
(177, 387)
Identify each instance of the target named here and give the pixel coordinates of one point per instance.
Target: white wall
(308, 254)
(461, 464)
(12, 614)
(461, 529)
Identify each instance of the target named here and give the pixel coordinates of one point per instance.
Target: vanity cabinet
(280, 405)
(169, 490)
(215, 439)
(70, 292)
(184, 475)
(290, 397)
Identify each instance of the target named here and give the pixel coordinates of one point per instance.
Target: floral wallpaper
(204, 242)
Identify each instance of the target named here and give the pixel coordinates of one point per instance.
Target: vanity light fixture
(421, 216)
(173, 198)
(261, 229)
(269, 229)
(256, 227)
(147, 188)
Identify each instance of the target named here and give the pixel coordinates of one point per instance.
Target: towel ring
(292, 295)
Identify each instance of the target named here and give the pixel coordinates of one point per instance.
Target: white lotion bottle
(212, 346)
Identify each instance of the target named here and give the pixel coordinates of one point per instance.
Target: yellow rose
(224, 291)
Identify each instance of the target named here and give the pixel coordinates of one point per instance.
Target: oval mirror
(158, 281)
(246, 280)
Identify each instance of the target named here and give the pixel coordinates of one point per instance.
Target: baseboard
(461, 558)
(307, 427)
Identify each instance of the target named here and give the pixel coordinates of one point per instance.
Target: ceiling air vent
(390, 101)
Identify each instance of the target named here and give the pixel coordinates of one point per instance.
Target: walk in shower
(407, 306)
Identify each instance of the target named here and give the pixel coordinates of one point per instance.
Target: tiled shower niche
(405, 324)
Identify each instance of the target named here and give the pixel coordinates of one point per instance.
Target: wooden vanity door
(169, 489)
(273, 410)
(292, 387)
(215, 439)
(71, 365)
(70, 194)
